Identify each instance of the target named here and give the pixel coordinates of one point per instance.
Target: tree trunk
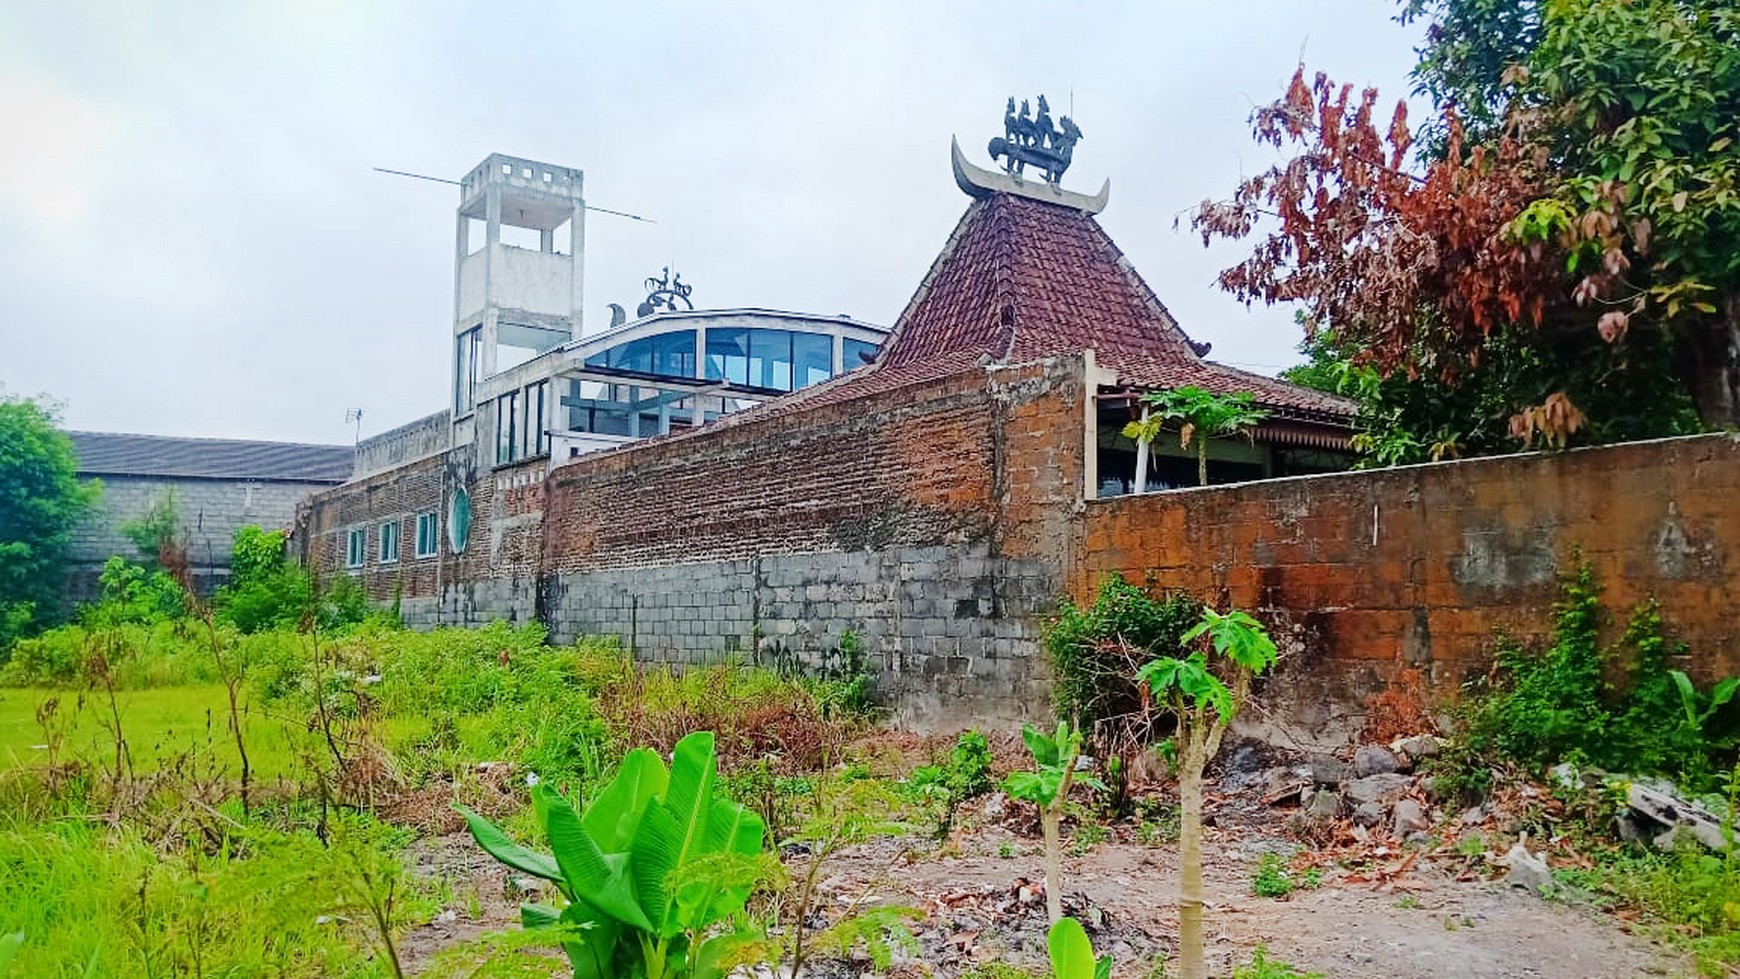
(1049, 819)
(1710, 364)
(1202, 461)
(1190, 941)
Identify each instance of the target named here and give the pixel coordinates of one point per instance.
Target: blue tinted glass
(728, 356)
(770, 359)
(856, 353)
(667, 353)
(812, 357)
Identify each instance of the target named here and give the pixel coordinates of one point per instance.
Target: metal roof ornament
(1029, 139)
(663, 294)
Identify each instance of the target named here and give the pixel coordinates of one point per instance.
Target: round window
(459, 521)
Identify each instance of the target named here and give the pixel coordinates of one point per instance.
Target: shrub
(1096, 651)
(1558, 703)
(137, 594)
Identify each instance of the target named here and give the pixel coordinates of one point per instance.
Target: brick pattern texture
(1370, 573)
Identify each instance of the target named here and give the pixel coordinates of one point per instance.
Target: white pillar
(1142, 459)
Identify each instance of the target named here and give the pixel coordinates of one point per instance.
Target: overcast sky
(195, 243)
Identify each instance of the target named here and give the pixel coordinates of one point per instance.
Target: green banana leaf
(600, 879)
(500, 846)
(614, 815)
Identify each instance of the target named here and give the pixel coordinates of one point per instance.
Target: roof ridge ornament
(979, 182)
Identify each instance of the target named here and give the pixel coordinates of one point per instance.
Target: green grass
(163, 875)
(160, 724)
(91, 901)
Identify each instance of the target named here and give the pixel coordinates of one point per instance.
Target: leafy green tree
(1198, 415)
(1625, 392)
(41, 499)
(1575, 202)
(1469, 44)
(1204, 693)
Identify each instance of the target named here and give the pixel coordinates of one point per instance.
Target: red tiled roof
(1021, 280)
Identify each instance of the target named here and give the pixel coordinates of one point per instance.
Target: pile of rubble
(1380, 804)
(973, 925)
(1378, 790)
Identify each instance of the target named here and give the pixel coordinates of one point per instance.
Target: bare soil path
(1432, 927)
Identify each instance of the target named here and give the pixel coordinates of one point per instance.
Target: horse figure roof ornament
(663, 294)
(1030, 140)
(1034, 140)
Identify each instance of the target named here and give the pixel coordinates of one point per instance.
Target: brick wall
(396, 496)
(211, 511)
(1369, 573)
(931, 519)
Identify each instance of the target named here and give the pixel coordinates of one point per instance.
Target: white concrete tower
(517, 264)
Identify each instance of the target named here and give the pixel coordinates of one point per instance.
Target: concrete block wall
(950, 631)
(211, 511)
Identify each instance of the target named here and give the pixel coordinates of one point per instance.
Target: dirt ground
(1382, 909)
(1429, 926)
(1423, 924)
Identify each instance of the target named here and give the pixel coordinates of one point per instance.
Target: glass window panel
(427, 534)
(812, 357)
(506, 427)
(856, 353)
(728, 356)
(610, 421)
(770, 359)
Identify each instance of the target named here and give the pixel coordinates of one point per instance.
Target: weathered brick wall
(396, 496)
(1369, 573)
(883, 515)
(906, 467)
(211, 512)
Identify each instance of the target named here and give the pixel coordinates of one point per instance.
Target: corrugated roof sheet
(114, 454)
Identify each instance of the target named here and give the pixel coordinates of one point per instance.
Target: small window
(428, 535)
(856, 353)
(389, 551)
(356, 547)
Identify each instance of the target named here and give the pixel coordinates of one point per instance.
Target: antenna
(355, 415)
(444, 180)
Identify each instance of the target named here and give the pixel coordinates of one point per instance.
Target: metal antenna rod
(444, 180)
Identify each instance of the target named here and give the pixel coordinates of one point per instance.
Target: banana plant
(1072, 955)
(645, 872)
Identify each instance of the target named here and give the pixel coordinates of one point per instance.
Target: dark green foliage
(265, 590)
(157, 530)
(40, 501)
(1618, 706)
(1096, 651)
(133, 593)
(1469, 44)
(1626, 392)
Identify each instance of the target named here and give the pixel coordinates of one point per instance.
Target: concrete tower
(517, 264)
